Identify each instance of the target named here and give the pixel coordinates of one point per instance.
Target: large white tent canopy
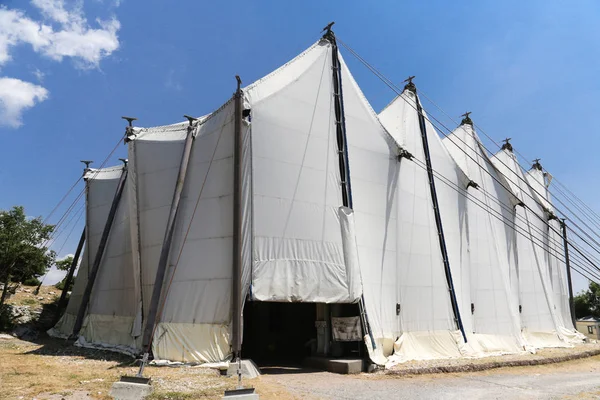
(320, 200)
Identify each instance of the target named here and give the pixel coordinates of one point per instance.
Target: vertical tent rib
(166, 246)
(63, 296)
(344, 165)
(568, 267)
(237, 227)
(436, 210)
(100, 253)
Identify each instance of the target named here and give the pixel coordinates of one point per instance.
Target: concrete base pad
(336, 365)
(130, 391)
(249, 369)
(243, 394)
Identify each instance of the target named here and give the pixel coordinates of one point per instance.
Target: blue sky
(70, 69)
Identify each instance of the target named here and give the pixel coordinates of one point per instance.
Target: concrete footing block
(130, 391)
(241, 394)
(336, 365)
(346, 366)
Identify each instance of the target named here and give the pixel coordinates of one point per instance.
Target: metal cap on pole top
(466, 119)
(87, 165)
(507, 145)
(129, 128)
(410, 85)
(536, 164)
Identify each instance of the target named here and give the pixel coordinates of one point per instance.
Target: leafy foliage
(64, 265)
(24, 254)
(587, 303)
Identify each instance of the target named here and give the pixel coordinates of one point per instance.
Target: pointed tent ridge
(542, 324)
(453, 141)
(366, 180)
(537, 181)
(361, 124)
(101, 185)
(293, 69)
(215, 336)
(426, 328)
(536, 178)
(492, 256)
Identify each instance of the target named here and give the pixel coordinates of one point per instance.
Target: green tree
(64, 265)
(23, 248)
(587, 302)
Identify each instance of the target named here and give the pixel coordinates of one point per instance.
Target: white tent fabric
(194, 317)
(490, 215)
(540, 323)
(555, 256)
(295, 180)
(425, 324)
(101, 185)
(112, 310)
(300, 243)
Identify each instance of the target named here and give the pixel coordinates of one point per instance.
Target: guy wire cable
(392, 86)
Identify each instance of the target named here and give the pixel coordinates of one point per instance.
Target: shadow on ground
(285, 369)
(50, 346)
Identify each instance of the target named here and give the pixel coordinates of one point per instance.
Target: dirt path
(579, 379)
(54, 369)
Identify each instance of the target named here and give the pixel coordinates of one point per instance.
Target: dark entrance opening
(278, 333)
(286, 334)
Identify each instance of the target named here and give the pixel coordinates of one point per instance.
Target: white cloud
(54, 276)
(15, 97)
(39, 75)
(63, 32)
(73, 38)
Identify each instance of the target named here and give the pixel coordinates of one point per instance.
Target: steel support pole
(101, 247)
(436, 212)
(568, 267)
(166, 245)
(236, 326)
(63, 296)
(344, 165)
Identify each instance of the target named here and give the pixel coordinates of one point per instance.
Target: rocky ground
(34, 366)
(31, 311)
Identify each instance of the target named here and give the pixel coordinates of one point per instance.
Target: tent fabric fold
(301, 244)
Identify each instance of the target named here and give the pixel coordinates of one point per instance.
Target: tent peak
(410, 85)
(329, 35)
(87, 165)
(129, 131)
(507, 145)
(466, 120)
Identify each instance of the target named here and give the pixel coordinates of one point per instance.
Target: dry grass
(54, 369)
(25, 296)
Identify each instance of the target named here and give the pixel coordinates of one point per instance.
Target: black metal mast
(568, 267)
(436, 210)
(101, 247)
(63, 296)
(236, 326)
(344, 166)
(340, 119)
